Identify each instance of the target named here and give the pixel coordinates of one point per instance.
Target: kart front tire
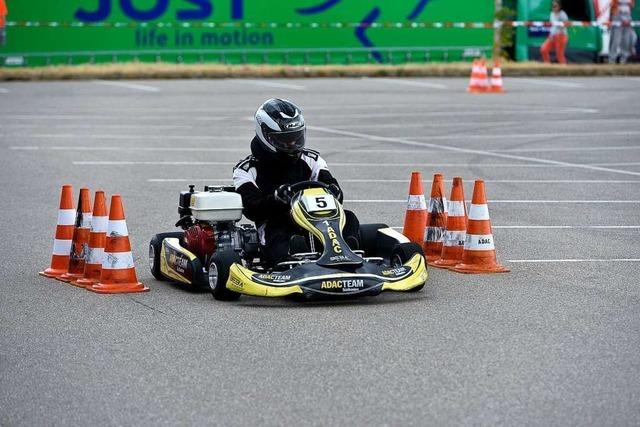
(402, 252)
(155, 245)
(218, 273)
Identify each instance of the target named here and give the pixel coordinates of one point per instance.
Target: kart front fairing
(316, 281)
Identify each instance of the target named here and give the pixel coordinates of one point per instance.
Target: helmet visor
(288, 142)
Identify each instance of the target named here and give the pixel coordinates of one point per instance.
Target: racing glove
(283, 194)
(335, 190)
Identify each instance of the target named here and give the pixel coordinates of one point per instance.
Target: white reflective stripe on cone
(479, 212)
(117, 260)
(456, 208)
(416, 203)
(86, 220)
(479, 242)
(438, 205)
(95, 256)
(99, 224)
(434, 234)
(454, 238)
(67, 217)
(117, 228)
(61, 247)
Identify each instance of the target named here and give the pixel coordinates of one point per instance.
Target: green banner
(235, 31)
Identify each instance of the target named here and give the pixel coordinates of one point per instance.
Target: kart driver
(279, 159)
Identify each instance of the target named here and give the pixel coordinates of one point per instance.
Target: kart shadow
(284, 303)
(185, 288)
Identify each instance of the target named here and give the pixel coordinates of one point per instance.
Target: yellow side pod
(164, 266)
(419, 276)
(240, 281)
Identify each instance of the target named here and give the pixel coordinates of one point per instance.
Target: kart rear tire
(369, 238)
(154, 252)
(219, 266)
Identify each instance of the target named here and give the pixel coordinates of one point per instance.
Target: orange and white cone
(496, 78)
(415, 219)
(436, 220)
(479, 82)
(80, 243)
(473, 80)
(456, 231)
(64, 235)
(97, 240)
(479, 254)
(118, 275)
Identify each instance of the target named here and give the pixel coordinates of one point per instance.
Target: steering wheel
(303, 185)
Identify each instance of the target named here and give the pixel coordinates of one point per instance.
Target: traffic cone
(415, 219)
(80, 243)
(483, 78)
(64, 235)
(473, 80)
(479, 254)
(436, 220)
(118, 273)
(496, 78)
(97, 240)
(455, 233)
(479, 82)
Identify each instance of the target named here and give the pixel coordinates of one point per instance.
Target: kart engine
(209, 220)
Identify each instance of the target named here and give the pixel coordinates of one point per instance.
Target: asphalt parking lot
(554, 342)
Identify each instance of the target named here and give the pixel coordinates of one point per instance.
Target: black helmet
(281, 128)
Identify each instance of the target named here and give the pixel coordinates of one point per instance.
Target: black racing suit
(258, 176)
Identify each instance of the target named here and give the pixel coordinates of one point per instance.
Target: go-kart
(214, 251)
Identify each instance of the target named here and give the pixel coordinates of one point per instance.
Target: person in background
(557, 35)
(623, 37)
(3, 14)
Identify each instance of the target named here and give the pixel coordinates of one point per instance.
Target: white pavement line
(503, 201)
(545, 135)
(404, 181)
(539, 261)
(405, 82)
(455, 137)
(126, 148)
(514, 181)
(271, 84)
(93, 126)
(559, 227)
(461, 113)
(618, 164)
(4, 90)
(123, 136)
(553, 149)
(410, 106)
(326, 150)
(468, 150)
(127, 163)
(332, 164)
(568, 227)
(25, 147)
(545, 82)
(229, 179)
(134, 86)
(209, 118)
